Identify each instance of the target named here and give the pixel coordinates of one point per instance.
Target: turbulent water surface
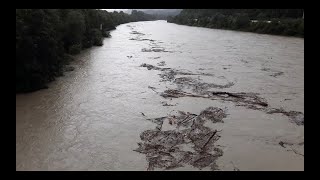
(92, 118)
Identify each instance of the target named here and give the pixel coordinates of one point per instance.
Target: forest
(46, 39)
(288, 22)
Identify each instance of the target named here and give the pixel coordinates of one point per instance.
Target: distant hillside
(159, 13)
(288, 22)
(167, 12)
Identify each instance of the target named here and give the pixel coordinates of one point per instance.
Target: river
(92, 118)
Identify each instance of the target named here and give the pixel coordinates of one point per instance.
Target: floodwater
(91, 118)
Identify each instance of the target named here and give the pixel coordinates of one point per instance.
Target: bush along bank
(45, 39)
(286, 22)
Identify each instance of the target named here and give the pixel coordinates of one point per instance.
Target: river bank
(218, 100)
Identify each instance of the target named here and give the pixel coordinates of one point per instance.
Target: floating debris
(152, 88)
(162, 63)
(284, 143)
(138, 39)
(169, 73)
(156, 57)
(155, 49)
(136, 32)
(174, 93)
(281, 143)
(198, 86)
(244, 61)
(166, 104)
(296, 117)
(245, 99)
(190, 142)
(234, 167)
(265, 69)
(276, 74)
(248, 100)
(152, 67)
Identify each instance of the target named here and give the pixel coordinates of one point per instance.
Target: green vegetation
(45, 37)
(288, 22)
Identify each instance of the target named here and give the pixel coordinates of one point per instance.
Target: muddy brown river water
(94, 117)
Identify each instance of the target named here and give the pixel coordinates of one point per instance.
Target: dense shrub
(96, 37)
(44, 36)
(287, 22)
(106, 34)
(75, 49)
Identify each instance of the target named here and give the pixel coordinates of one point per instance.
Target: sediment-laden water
(161, 96)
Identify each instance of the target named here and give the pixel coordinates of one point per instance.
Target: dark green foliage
(45, 36)
(283, 21)
(106, 34)
(74, 28)
(241, 21)
(96, 37)
(141, 16)
(38, 49)
(75, 49)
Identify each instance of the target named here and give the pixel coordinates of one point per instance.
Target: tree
(240, 19)
(74, 28)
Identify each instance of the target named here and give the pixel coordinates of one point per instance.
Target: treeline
(161, 14)
(46, 37)
(288, 22)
